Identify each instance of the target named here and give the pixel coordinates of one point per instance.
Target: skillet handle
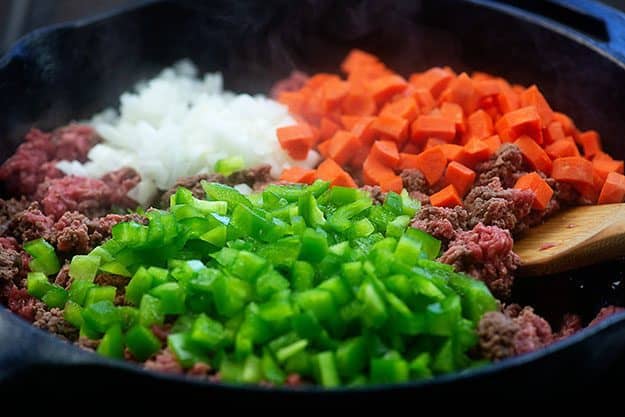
(23, 347)
(589, 21)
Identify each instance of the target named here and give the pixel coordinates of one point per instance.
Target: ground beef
(87, 344)
(571, 324)
(256, 178)
(604, 313)
(9, 209)
(21, 303)
(200, 369)
(534, 332)
(414, 181)
(293, 380)
(293, 82)
(567, 195)
(164, 361)
(62, 277)
(441, 222)
(10, 263)
(52, 320)
(92, 197)
(485, 252)
(514, 331)
(496, 334)
(506, 164)
(375, 192)
(72, 233)
(31, 224)
(116, 281)
(492, 205)
(35, 159)
(161, 331)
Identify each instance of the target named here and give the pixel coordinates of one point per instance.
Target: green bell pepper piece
(100, 293)
(112, 344)
(341, 219)
(140, 284)
(208, 333)
(141, 342)
(72, 313)
(351, 357)
(327, 374)
(220, 192)
(37, 284)
(44, 258)
(227, 166)
(55, 297)
(302, 276)
(389, 370)
(172, 297)
(100, 315)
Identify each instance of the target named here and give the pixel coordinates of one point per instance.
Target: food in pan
(356, 230)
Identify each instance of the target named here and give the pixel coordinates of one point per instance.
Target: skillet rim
(92, 359)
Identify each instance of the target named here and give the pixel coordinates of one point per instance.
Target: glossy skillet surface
(68, 72)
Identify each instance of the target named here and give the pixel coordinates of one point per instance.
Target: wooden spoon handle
(572, 239)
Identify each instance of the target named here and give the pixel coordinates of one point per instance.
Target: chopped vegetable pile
(311, 280)
(376, 124)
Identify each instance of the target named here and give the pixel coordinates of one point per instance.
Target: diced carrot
(386, 152)
(319, 79)
(453, 112)
(567, 124)
(562, 148)
(374, 172)
(533, 97)
(601, 156)
(524, 121)
(363, 130)
(603, 167)
(542, 191)
(391, 127)
(572, 169)
(324, 148)
(451, 151)
(460, 176)
(342, 146)
(406, 108)
(296, 140)
(298, 174)
(411, 147)
(553, 132)
(432, 162)
(358, 104)
(333, 92)
(534, 154)
(435, 80)
(330, 171)
(590, 142)
(327, 129)
(613, 190)
(348, 122)
(462, 92)
(485, 88)
(447, 197)
(360, 154)
(386, 87)
(493, 142)
(433, 126)
(479, 126)
(507, 100)
(431, 142)
(474, 152)
(408, 161)
(357, 59)
(481, 76)
(424, 99)
(394, 183)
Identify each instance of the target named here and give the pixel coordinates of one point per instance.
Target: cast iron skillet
(67, 72)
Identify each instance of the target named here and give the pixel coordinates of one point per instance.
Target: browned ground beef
(35, 159)
(441, 222)
(485, 252)
(254, 177)
(496, 334)
(492, 205)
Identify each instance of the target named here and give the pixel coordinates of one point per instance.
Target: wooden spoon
(573, 238)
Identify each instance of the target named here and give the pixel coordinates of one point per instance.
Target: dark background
(18, 17)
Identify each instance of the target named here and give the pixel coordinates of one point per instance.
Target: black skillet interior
(70, 72)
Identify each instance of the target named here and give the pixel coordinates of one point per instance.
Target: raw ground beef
(52, 320)
(506, 164)
(377, 195)
(31, 224)
(441, 222)
(485, 252)
(116, 281)
(492, 205)
(414, 182)
(516, 330)
(164, 361)
(35, 159)
(92, 197)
